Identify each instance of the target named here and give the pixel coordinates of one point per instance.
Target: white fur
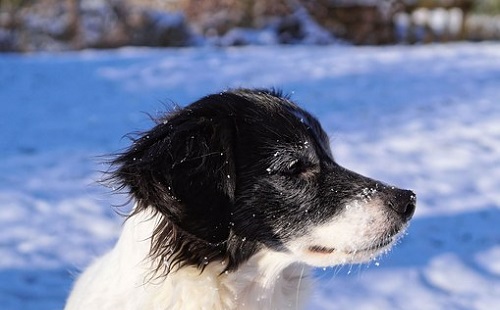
(122, 279)
(353, 236)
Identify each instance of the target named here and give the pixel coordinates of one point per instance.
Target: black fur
(234, 172)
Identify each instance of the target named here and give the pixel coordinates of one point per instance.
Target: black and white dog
(236, 195)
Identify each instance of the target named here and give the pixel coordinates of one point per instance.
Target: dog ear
(184, 169)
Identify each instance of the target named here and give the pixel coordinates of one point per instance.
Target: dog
(237, 196)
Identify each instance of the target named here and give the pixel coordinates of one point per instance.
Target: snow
(424, 117)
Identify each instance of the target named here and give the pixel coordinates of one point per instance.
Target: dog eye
(295, 167)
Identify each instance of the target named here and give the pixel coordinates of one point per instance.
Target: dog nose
(404, 203)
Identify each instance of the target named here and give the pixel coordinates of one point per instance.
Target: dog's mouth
(318, 249)
(321, 249)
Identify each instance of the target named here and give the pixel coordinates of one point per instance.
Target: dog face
(246, 170)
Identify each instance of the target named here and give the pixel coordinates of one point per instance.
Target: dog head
(246, 170)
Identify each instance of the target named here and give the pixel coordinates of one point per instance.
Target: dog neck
(268, 280)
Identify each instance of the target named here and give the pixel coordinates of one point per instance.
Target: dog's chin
(327, 255)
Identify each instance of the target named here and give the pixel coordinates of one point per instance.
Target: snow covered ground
(425, 117)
